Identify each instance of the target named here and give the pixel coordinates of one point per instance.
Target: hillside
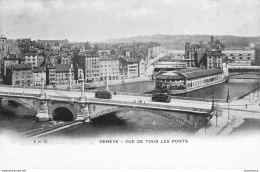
(178, 41)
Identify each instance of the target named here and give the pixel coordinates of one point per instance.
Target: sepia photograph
(130, 84)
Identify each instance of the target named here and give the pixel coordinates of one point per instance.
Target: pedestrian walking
(246, 106)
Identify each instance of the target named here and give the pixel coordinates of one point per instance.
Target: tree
(217, 111)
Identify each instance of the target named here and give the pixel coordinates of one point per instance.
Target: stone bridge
(49, 107)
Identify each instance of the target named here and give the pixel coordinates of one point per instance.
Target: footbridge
(244, 75)
(243, 72)
(51, 104)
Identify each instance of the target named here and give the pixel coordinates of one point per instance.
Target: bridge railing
(150, 105)
(133, 94)
(19, 94)
(45, 88)
(174, 97)
(198, 99)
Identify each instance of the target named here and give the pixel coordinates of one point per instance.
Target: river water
(237, 88)
(139, 122)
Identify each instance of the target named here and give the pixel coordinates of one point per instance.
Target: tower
(3, 41)
(1, 31)
(212, 38)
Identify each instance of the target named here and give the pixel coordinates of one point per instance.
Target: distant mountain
(178, 41)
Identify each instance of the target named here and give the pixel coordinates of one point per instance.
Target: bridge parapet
(243, 67)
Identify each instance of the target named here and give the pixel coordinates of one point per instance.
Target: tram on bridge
(160, 97)
(103, 94)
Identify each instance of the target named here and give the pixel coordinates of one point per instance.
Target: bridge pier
(42, 112)
(83, 113)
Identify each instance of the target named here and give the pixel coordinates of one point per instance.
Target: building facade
(38, 75)
(240, 57)
(130, 67)
(50, 75)
(214, 59)
(191, 53)
(109, 67)
(89, 62)
(64, 74)
(10, 60)
(257, 54)
(40, 60)
(142, 68)
(21, 75)
(31, 58)
(122, 69)
(3, 44)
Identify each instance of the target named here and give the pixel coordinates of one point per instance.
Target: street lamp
(213, 97)
(42, 84)
(107, 82)
(228, 101)
(258, 86)
(205, 124)
(82, 89)
(69, 87)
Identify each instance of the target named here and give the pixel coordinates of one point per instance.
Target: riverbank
(102, 84)
(233, 116)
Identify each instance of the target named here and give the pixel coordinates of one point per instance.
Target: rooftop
(30, 54)
(200, 73)
(107, 58)
(13, 57)
(63, 68)
(189, 73)
(39, 69)
(22, 66)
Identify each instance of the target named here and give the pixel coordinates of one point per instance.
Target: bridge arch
(62, 112)
(184, 120)
(29, 104)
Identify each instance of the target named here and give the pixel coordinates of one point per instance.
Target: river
(237, 88)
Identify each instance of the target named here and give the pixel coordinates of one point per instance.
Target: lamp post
(258, 87)
(213, 97)
(249, 97)
(82, 89)
(228, 101)
(205, 124)
(69, 87)
(107, 83)
(42, 84)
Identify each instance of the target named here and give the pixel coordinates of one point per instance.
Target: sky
(100, 20)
